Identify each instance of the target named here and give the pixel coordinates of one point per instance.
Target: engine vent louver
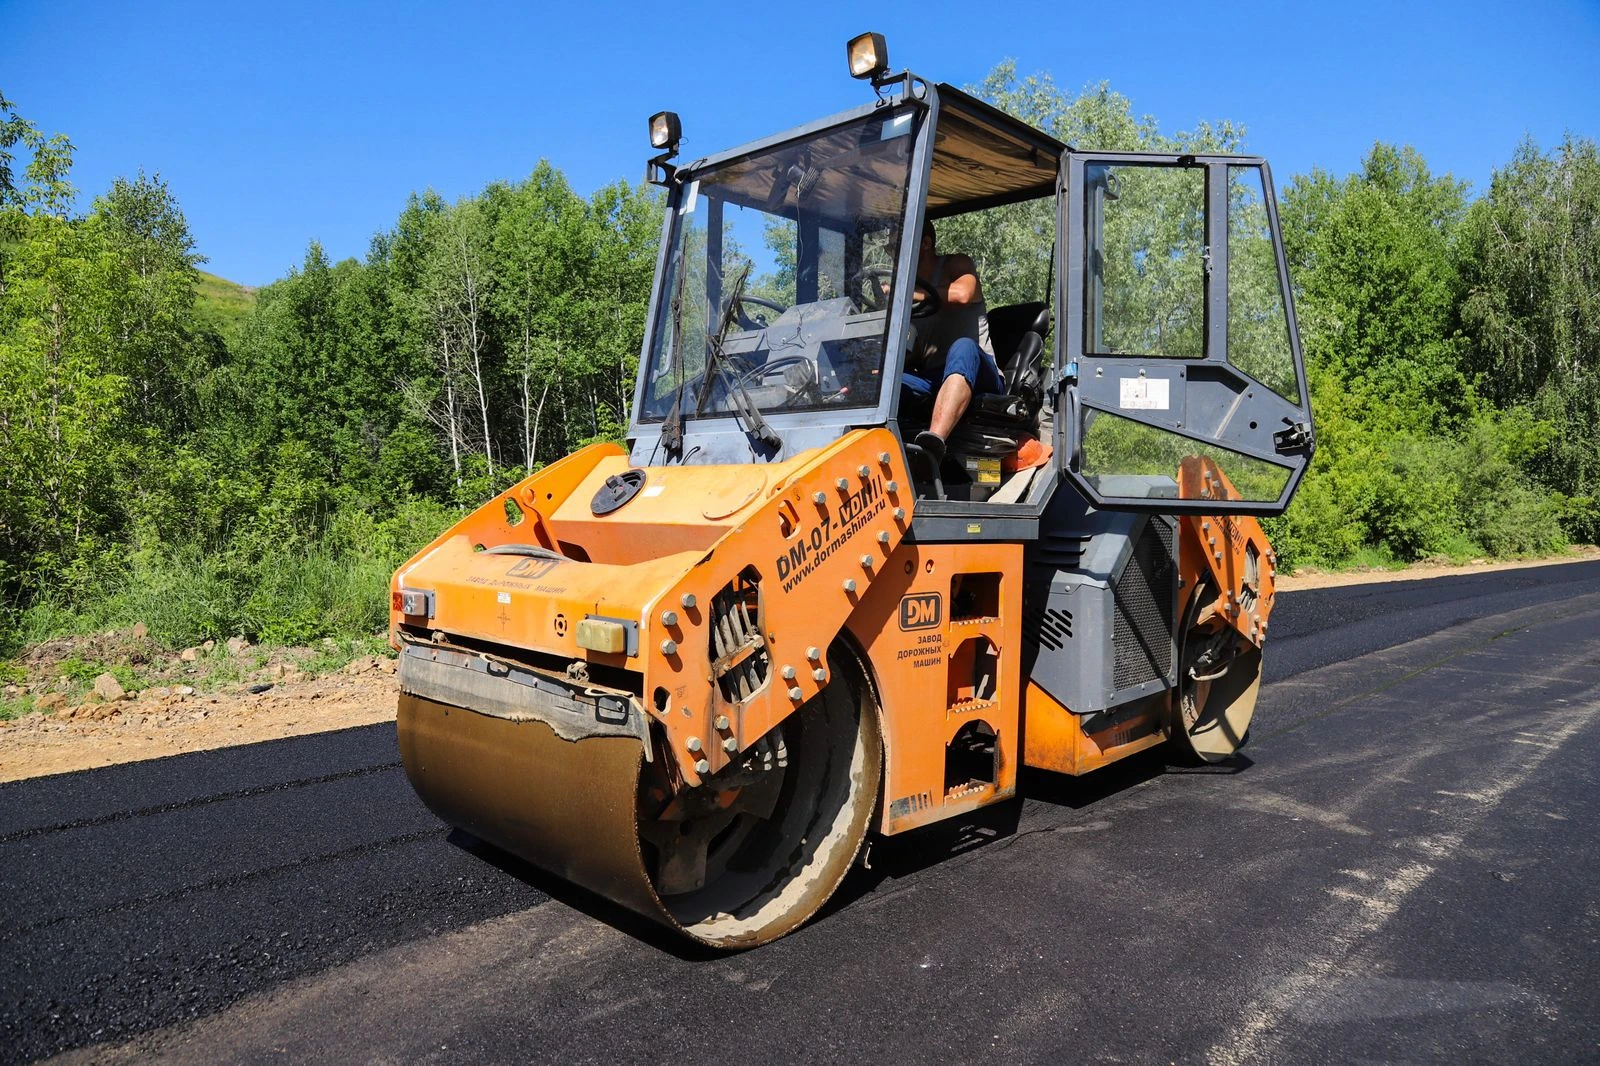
(739, 656)
(1063, 551)
(1144, 596)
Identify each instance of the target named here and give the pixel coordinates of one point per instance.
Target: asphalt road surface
(1401, 867)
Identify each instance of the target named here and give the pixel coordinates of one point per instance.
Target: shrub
(332, 582)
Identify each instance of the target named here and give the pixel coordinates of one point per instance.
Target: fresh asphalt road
(1400, 868)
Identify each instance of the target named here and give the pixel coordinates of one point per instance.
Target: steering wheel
(755, 321)
(929, 304)
(868, 283)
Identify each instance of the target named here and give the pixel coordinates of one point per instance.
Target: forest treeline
(263, 472)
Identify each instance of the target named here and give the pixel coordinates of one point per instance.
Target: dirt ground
(82, 730)
(181, 705)
(149, 727)
(1311, 578)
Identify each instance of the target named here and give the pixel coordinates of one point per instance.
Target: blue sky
(280, 122)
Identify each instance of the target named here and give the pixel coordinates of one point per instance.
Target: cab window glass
(780, 272)
(1258, 328)
(1146, 271)
(1125, 458)
(1011, 246)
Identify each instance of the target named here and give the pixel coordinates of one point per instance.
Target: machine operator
(956, 358)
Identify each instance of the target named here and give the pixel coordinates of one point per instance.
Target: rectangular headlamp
(869, 56)
(665, 129)
(595, 634)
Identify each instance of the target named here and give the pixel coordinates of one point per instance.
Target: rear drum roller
(758, 848)
(1219, 679)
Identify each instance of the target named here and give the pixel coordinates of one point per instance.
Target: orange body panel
(1231, 551)
(1054, 737)
(816, 529)
(943, 633)
(940, 624)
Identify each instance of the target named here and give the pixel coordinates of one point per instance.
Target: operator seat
(1017, 332)
(995, 424)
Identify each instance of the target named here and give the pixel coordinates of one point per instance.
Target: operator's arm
(964, 287)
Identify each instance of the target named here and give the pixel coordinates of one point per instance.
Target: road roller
(696, 670)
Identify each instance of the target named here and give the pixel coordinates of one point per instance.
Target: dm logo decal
(533, 568)
(922, 610)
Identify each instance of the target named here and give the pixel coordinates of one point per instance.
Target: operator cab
(786, 311)
(992, 195)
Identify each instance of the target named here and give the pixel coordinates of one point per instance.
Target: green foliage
(1371, 258)
(271, 587)
(1011, 245)
(81, 673)
(1529, 305)
(211, 460)
(1413, 459)
(177, 450)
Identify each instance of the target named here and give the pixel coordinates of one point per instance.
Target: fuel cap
(617, 491)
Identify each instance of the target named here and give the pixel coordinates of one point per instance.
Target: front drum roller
(1219, 680)
(742, 859)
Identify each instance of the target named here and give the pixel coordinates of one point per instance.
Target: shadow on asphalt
(885, 859)
(581, 899)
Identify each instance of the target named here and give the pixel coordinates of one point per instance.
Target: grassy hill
(224, 303)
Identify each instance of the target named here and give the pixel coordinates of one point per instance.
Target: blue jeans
(968, 360)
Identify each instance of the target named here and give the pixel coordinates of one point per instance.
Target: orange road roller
(696, 671)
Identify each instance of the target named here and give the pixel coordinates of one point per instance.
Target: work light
(869, 56)
(665, 130)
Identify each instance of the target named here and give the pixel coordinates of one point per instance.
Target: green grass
(82, 672)
(225, 304)
(1372, 558)
(316, 602)
(218, 669)
(288, 598)
(333, 656)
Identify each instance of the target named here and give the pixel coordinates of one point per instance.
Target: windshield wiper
(714, 355)
(672, 425)
(744, 408)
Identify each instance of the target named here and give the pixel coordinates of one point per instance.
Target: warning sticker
(1145, 394)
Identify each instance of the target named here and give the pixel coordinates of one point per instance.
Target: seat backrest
(1018, 332)
(1008, 325)
(1023, 371)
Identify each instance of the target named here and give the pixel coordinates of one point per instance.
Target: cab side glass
(1258, 327)
(1146, 276)
(1125, 458)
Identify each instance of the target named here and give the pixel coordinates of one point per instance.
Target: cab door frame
(1209, 400)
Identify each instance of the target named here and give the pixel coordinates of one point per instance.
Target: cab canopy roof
(983, 157)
